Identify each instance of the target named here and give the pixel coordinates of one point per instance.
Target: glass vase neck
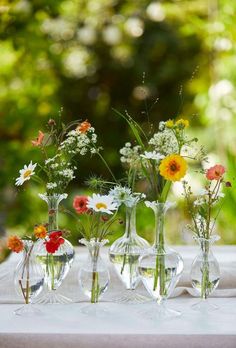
(130, 221)
(159, 210)
(53, 202)
(206, 243)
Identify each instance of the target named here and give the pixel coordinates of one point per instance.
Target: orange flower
(216, 172)
(40, 231)
(173, 167)
(83, 127)
(15, 244)
(38, 140)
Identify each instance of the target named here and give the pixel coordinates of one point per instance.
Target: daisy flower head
(173, 167)
(181, 123)
(25, 173)
(102, 204)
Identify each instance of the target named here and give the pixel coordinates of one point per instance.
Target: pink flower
(216, 172)
(80, 204)
(38, 140)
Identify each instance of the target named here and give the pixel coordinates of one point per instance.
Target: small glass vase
(124, 254)
(205, 273)
(93, 274)
(57, 265)
(28, 280)
(161, 267)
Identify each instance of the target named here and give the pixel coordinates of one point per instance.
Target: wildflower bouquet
(59, 145)
(204, 214)
(202, 208)
(158, 159)
(96, 215)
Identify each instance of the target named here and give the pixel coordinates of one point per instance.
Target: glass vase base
(28, 310)
(53, 298)
(131, 297)
(204, 306)
(161, 312)
(95, 310)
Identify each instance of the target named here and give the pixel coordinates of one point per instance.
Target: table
(124, 325)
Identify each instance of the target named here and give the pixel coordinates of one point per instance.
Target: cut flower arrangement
(96, 215)
(156, 159)
(204, 210)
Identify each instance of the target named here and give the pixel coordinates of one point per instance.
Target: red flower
(216, 172)
(80, 204)
(54, 242)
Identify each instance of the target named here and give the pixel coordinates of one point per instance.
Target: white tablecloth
(122, 325)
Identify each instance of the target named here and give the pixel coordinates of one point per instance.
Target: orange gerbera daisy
(173, 167)
(15, 244)
(83, 127)
(38, 140)
(40, 231)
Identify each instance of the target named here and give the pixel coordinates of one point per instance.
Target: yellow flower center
(101, 205)
(27, 173)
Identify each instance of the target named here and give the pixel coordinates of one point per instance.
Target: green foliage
(89, 57)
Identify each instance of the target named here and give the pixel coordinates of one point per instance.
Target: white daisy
(25, 173)
(102, 203)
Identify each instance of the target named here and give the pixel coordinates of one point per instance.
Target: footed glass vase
(205, 273)
(28, 280)
(161, 267)
(55, 265)
(93, 274)
(124, 254)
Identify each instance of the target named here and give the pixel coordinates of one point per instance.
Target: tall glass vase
(57, 265)
(28, 280)
(205, 273)
(93, 275)
(124, 253)
(161, 267)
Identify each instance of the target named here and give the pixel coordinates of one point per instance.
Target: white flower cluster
(60, 171)
(203, 198)
(164, 142)
(129, 154)
(124, 195)
(152, 155)
(79, 143)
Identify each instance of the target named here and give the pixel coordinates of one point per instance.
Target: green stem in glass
(159, 245)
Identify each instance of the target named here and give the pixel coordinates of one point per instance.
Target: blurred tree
(156, 59)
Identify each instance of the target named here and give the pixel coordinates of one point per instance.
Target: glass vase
(28, 280)
(205, 273)
(124, 254)
(161, 267)
(93, 274)
(57, 265)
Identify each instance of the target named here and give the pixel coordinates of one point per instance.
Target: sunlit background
(171, 57)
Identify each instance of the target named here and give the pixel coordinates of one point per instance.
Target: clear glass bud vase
(93, 274)
(28, 280)
(124, 253)
(55, 265)
(205, 273)
(161, 267)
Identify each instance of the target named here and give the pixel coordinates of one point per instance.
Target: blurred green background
(173, 57)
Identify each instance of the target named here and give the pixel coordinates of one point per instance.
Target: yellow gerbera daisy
(173, 167)
(182, 123)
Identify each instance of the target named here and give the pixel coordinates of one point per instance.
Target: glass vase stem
(160, 249)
